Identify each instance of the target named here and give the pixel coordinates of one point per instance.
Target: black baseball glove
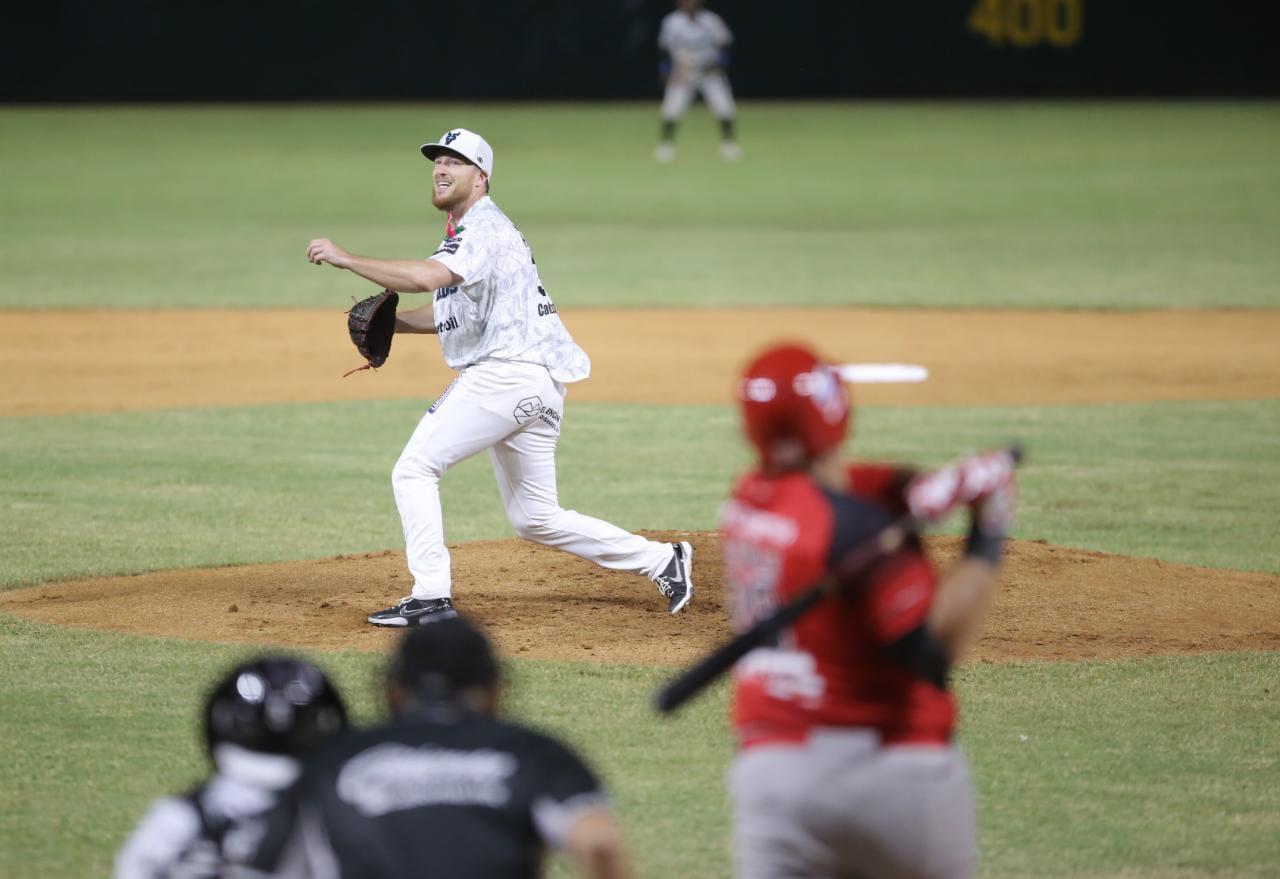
(371, 323)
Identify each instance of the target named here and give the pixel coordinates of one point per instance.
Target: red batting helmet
(795, 406)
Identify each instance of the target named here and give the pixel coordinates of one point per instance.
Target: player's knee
(533, 525)
(411, 468)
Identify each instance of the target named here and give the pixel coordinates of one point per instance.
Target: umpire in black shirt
(445, 789)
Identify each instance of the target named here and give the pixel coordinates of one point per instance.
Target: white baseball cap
(468, 144)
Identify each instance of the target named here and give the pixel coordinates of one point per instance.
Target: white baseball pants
(842, 805)
(513, 410)
(714, 87)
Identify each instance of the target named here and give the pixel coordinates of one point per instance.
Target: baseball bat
(698, 676)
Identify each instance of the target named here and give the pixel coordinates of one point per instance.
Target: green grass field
(1156, 768)
(1065, 205)
(1186, 482)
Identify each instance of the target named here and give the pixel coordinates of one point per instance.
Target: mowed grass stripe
(1108, 205)
(120, 493)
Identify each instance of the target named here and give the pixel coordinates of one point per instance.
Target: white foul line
(882, 373)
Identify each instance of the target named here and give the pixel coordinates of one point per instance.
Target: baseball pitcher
(846, 764)
(499, 328)
(694, 45)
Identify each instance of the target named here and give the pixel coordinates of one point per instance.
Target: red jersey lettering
(782, 534)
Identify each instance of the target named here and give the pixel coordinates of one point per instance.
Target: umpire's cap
(275, 705)
(438, 659)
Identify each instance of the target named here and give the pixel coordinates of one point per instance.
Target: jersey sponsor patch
(545, 308)
(395, 777)
(449, 245)
(445, 293)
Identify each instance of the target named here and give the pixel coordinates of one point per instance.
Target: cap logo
(822, 387)
(451, 137)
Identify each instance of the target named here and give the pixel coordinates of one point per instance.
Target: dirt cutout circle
(541, 603)
(1055, 603)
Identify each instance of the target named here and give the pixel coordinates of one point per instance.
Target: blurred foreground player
(694, 44)
(846, 764)
(258, 721)
(446, 789)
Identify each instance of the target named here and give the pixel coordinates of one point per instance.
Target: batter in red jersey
(846, 764)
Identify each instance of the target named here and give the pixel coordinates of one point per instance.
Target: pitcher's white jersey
(694, 43)
(500, 311)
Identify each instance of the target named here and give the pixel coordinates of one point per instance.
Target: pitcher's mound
(1055, 603)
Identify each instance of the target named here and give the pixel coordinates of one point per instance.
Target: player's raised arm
(400, 275)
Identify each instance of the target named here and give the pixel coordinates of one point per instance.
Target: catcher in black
(446, 789)
(258, 721)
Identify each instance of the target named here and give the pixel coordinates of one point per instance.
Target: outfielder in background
(846, 764)
(446, 789)
(258, 723)
(694, 44)
(500, 330)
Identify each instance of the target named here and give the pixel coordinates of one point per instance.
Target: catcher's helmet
(274, 704)
(795, 406)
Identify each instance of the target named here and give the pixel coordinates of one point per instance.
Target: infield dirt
(94, 361)
(1056, 603)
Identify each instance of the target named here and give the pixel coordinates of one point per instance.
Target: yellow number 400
(1027, 23)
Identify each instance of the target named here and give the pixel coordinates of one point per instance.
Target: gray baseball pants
(840, 805)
